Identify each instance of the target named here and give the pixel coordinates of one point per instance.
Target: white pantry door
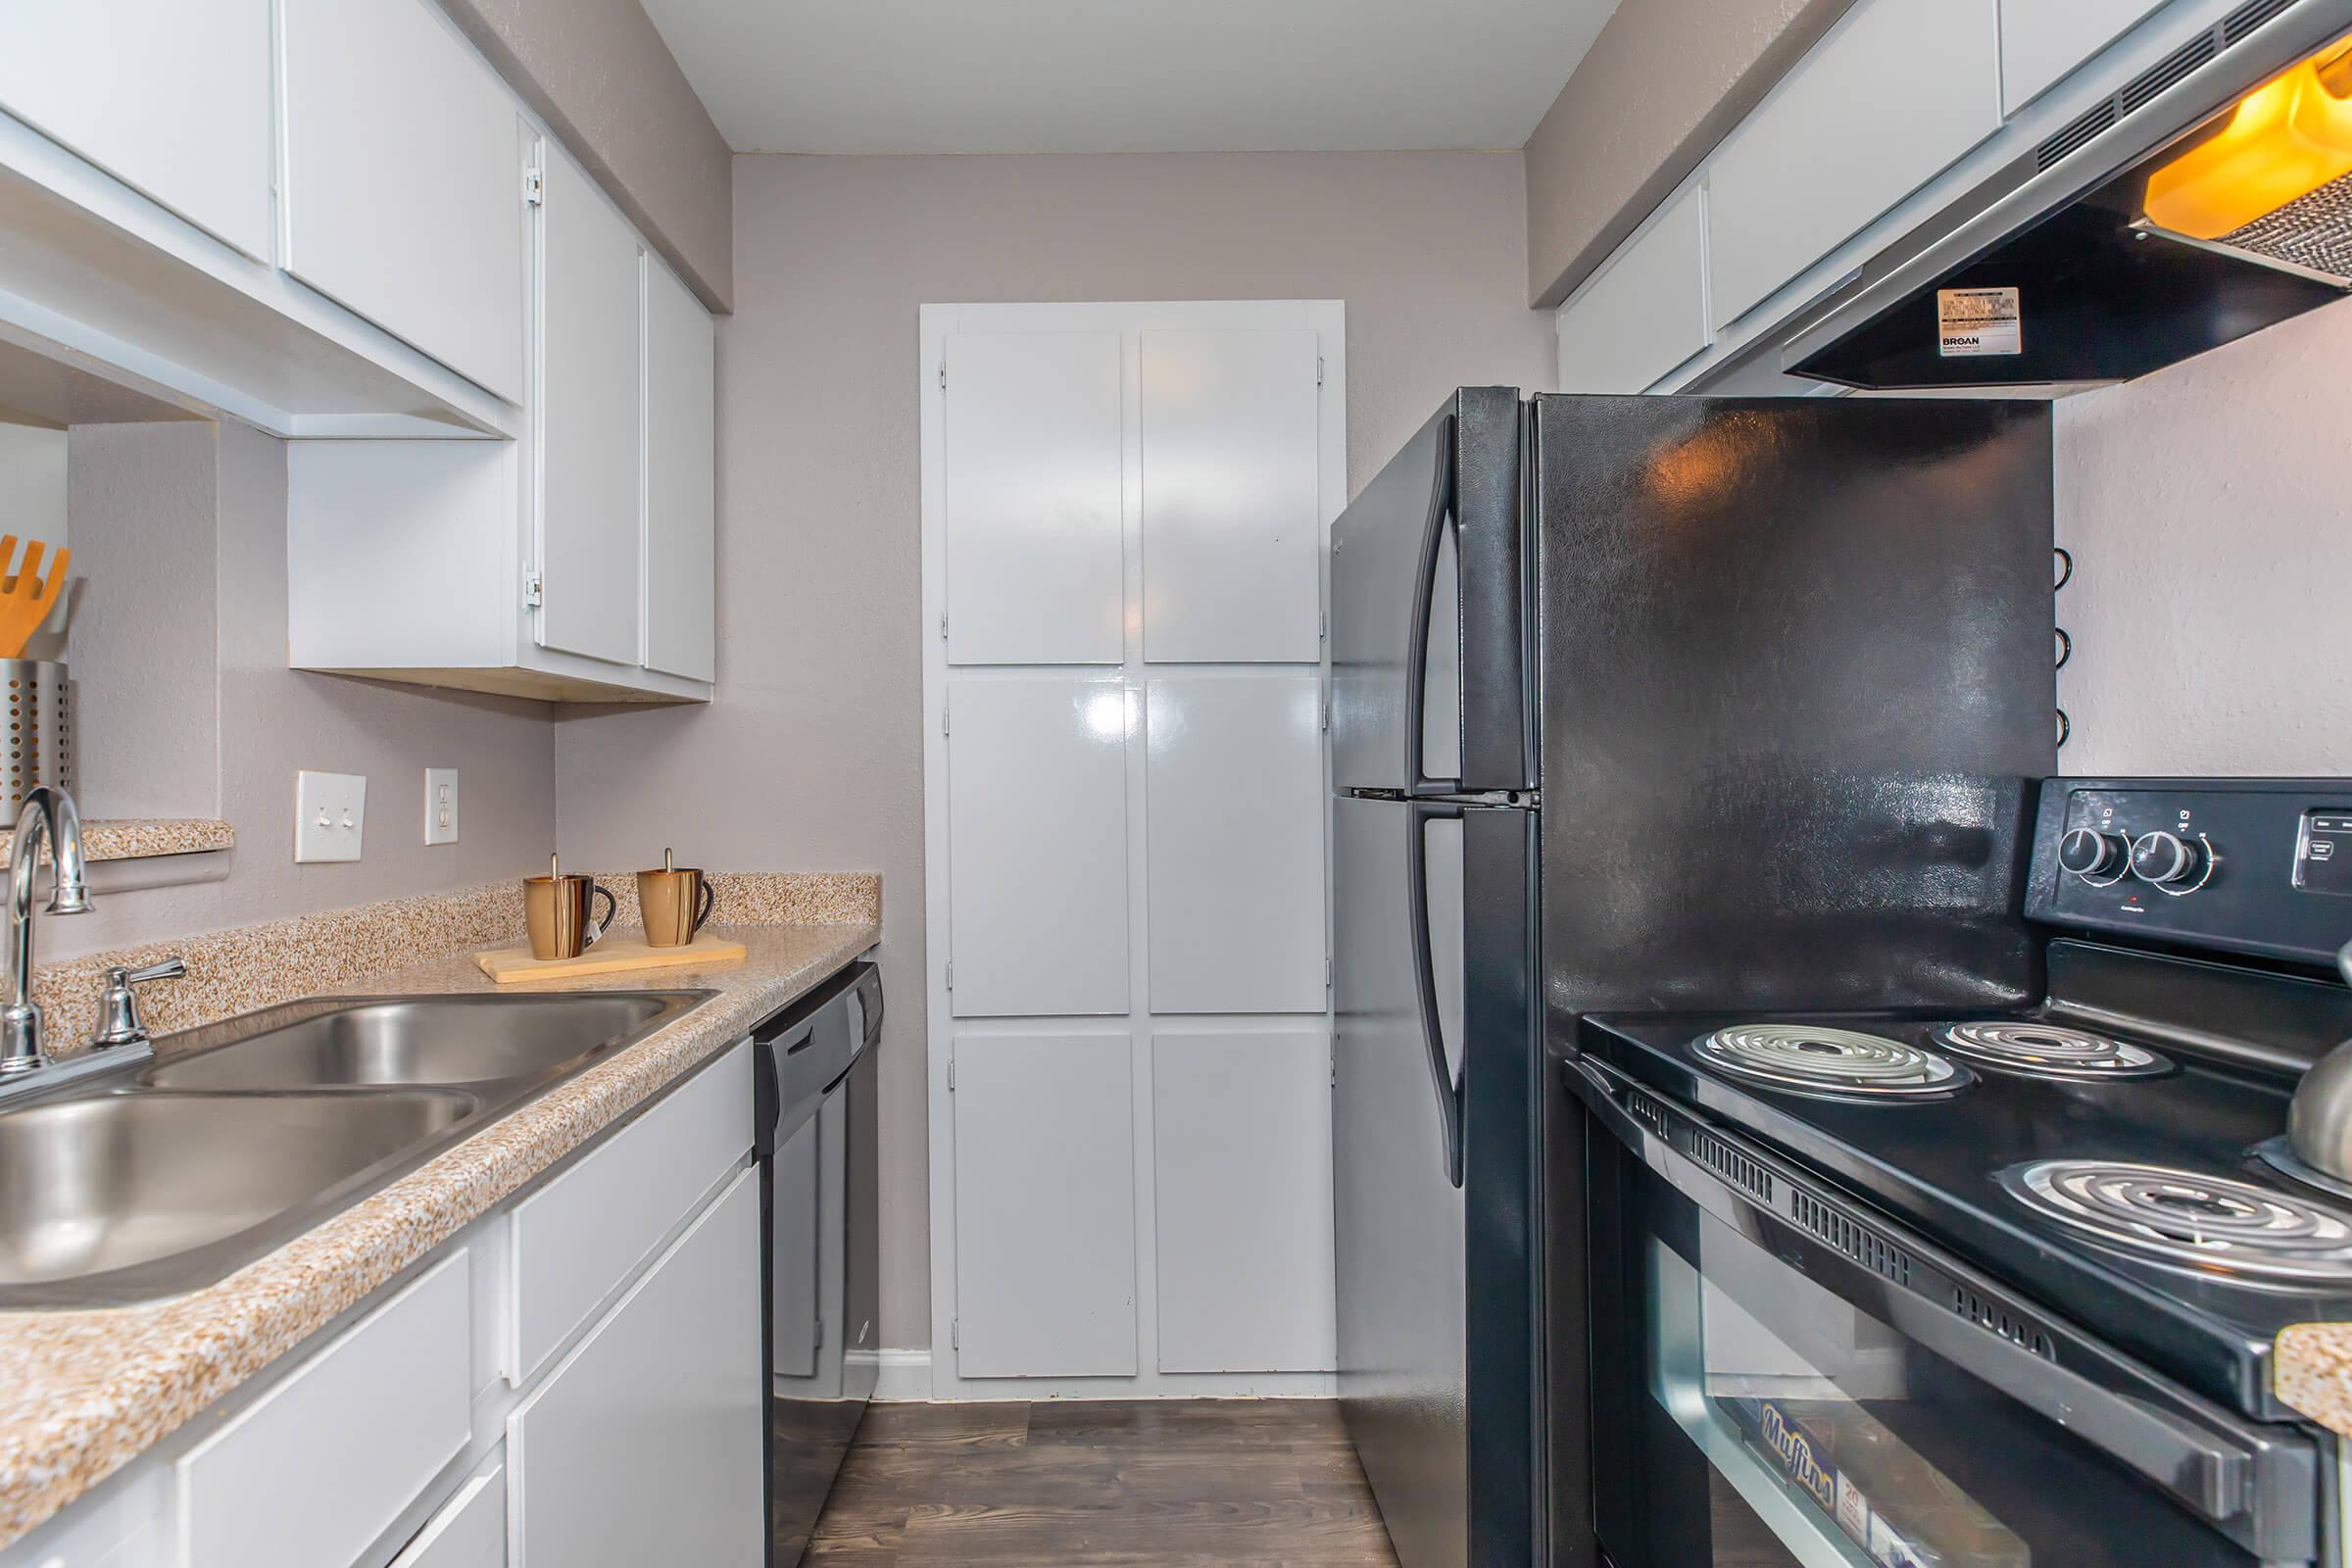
(1124, 515)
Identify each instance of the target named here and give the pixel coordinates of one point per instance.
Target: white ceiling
(1126, 75)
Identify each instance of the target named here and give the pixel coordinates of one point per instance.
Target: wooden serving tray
(617, 954)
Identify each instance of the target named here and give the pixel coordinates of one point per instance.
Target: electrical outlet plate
(440, 805)
(330, 815)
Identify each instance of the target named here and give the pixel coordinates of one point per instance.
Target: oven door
(1781, 1378)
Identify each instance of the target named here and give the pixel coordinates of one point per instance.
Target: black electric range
(1791, 1204)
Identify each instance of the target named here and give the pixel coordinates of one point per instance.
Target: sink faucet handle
(118, 1007)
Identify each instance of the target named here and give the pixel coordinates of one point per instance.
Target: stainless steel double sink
(234, 1139)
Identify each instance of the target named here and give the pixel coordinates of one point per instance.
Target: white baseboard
(906, 1376)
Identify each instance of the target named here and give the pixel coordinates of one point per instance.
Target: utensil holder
(40, 732)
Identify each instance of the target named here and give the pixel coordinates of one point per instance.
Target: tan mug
(556, 913)
(675, 902)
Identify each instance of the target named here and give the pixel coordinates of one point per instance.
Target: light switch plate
(440, 805)
(330, 815)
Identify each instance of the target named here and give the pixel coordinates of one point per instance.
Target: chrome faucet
(48, 818)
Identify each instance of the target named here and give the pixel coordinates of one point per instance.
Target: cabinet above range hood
(2207, 199)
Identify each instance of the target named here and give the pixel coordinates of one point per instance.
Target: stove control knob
(2088, 853)
(2167, 859)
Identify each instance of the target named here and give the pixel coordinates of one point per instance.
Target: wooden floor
(1150, 1483)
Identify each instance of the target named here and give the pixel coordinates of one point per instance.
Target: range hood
(2207, 199)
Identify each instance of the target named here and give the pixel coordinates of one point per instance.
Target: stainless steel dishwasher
(820, 1246)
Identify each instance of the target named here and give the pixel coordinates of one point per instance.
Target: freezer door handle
(1425, 590)
(1418, 815)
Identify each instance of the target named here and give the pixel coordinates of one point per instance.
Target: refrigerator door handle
(1425, 589)
(1418, 815)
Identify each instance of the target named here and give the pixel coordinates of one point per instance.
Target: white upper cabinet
(1646, 311)
(403, 181)
(589, 503)
(1233, 530)
(172, 97)
(681, 478)
(1034, 559)
(1898, 90)
(2043, 40)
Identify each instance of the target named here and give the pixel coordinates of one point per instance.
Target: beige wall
(2209, 509)
(599, 74)
(811, 754)
(185, 705)
(1662, 85)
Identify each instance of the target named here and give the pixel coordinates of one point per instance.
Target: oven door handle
(2255, 1485)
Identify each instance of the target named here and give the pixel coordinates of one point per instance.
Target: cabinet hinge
(954, 1334)
(943, 719)
(1318, 370)
(1327, 714)
(943, 372)
(534, 187)
(532, 592)
(818, 1343)
(1335, 1066)
(1327, 971)
(942, 628)
(950, 987)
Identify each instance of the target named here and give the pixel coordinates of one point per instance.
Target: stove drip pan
(2205, 1224)
(1830, 1062)
(2050, 1051)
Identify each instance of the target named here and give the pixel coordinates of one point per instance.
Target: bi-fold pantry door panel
(1037, 843)
(1044, 1205)
(1035, 566)
(1241, 1141)
(1234, 832)
(1232, 516)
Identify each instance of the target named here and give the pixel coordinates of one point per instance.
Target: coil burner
(2205, 1224)
(2049, 1051)
(1830, 1062)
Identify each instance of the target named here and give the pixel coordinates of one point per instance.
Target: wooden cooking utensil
(27, 598)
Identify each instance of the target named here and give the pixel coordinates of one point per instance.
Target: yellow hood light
(2285, 139)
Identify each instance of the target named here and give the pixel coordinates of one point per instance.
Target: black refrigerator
(1638, 703)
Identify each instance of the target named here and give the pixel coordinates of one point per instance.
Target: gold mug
(554, 914)
(675, 902)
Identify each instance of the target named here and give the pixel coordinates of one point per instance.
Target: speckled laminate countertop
(2311, 1370)
(83, 1392)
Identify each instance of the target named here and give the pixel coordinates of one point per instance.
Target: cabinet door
(590, 510)
(1037, 843)
(1646, 311)
(1034, 559)
(1895, 94)
(403, 181)
(172, 97)
(2045, 41)
(643, 1445)
(1233, 527)
(1241, 1151)
(681, 481)
(1233, 842)
(1044, 1205)
(470, 1532)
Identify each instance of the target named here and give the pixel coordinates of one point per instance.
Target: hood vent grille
(2246, 17)
(2149, 84)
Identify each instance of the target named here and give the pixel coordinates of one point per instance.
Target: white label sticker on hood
(1972, 322)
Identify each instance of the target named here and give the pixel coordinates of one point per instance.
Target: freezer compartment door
(1398, 1213)
(1429, 619)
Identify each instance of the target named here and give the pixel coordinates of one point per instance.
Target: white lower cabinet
(470, 1533)
(413, 1438)
(643, 1445)
(325, 1461)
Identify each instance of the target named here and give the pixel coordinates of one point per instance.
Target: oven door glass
(1746, 1417)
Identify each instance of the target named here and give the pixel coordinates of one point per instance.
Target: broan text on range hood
(2209, 198)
